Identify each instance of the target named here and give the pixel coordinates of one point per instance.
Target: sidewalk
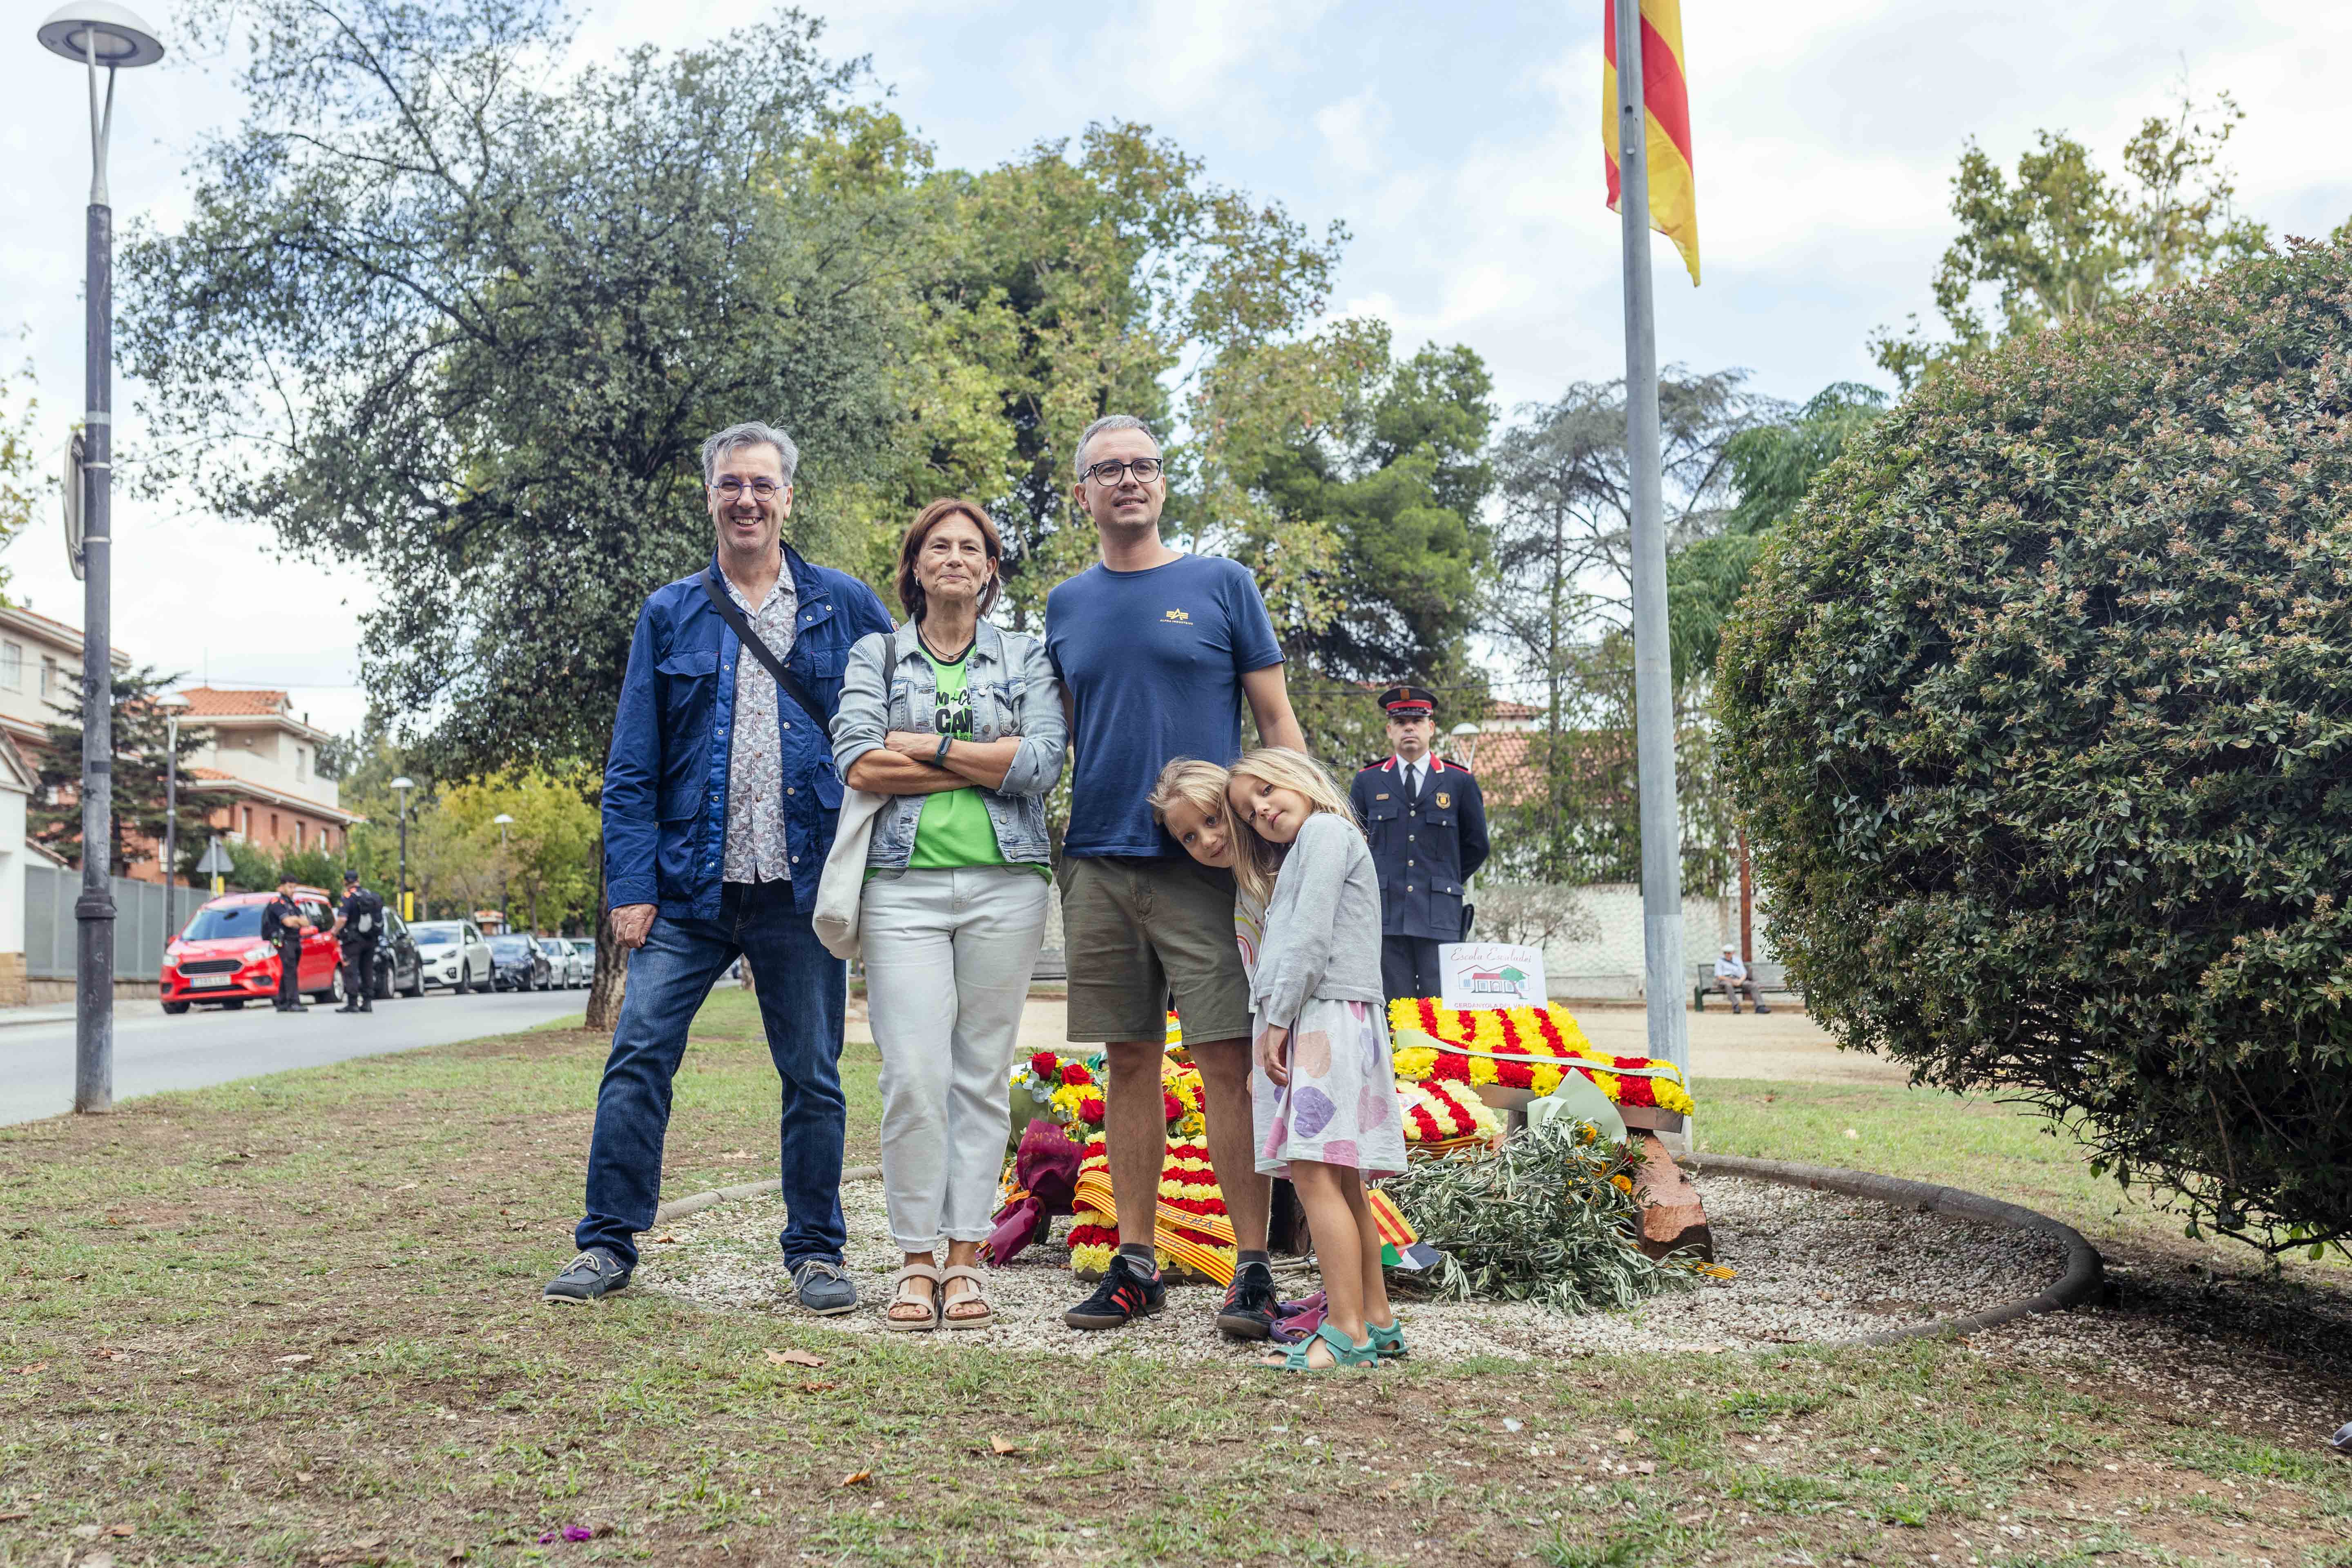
(41, 1013)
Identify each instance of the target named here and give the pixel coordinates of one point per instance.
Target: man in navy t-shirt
(1156, 651)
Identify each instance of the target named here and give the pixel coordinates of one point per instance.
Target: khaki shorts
(1133, 931)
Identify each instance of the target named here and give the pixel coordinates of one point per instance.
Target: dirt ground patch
(296, 1323)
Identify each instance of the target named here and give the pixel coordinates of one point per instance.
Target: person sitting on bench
(1731, 978)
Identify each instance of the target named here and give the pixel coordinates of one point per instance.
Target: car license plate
(199, 982)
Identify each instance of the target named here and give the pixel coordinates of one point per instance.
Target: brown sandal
(902, 1297)
(980, 1319)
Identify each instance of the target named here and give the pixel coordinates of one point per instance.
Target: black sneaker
(1251, 1305)
(1125, 1293)
(595, 1272)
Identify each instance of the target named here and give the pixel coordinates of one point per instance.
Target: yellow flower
(1623, 1183)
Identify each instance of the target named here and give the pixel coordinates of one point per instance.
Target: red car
(221, 960)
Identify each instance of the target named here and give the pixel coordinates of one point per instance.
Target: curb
(2085, 1269)
(695, 1203)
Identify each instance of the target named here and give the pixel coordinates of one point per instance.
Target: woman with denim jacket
(962, 724)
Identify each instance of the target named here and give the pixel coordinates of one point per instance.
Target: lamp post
(506, 915)
(1467, 735)
(401, 785)
(173, 705)
(97, 33)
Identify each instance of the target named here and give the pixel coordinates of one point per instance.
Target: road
(155, 1052)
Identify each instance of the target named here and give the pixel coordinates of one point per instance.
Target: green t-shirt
(954, 830)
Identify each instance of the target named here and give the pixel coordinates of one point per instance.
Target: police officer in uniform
(282, 922)
(1427, 824)
(360, 924)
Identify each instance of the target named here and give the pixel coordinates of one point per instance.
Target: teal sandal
(1387, 1342)
(1343, 1354)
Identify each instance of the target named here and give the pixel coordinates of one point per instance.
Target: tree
(23, 486)
(1354, 482)
(2036, 716)
(2065, 239)
(546, 858)
(141, 741)
(447, 313)
(1562, 549)
(1073, 282)
(1770, 464)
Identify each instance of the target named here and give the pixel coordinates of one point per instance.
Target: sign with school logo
(1490, 975)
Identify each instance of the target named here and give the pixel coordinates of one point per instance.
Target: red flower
(1091, 1108)
(1045, 1065)
(1171, 1105)
(1075, 1072)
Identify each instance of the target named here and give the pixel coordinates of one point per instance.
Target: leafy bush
(2041, 714)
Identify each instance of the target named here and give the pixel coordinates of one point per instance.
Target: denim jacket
(666, 777)
(890, 686)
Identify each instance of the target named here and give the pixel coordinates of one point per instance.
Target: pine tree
(141, 735)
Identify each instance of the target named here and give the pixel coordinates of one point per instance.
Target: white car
(585, 946)
(562, 964)
(453, 955)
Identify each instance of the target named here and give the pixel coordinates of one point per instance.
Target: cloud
(1352, 129)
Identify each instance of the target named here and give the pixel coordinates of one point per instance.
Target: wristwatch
(940, 757)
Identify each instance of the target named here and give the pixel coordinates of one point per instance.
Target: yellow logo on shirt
(1179, 616)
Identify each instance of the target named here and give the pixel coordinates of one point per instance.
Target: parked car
(585, 948)
(220, 959)
(399, 969)
(562, 964)
(454, 954)
(517, 964)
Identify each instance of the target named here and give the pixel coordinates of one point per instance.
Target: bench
(1771, 980)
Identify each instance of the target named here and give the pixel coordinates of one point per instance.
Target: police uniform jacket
(1425, 847)
(281, 920)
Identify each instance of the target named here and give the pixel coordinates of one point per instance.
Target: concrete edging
(695, 1203)
(2086, 1270)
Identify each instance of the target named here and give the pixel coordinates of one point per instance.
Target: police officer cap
(350, 877)
(1409, 702)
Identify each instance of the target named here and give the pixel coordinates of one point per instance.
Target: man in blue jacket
(719, 803)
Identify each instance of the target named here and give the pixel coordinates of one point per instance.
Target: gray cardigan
(1321, 938)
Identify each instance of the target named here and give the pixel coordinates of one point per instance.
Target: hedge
(2040, 715)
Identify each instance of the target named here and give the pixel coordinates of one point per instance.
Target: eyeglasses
(730, 487)
(1145, 470)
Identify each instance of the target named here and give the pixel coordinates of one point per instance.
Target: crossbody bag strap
(732, 614)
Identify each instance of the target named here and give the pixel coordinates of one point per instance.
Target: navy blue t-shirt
(1153, 661)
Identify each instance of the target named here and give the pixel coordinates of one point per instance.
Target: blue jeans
(802, 991)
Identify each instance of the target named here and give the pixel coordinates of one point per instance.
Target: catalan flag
(1666, 98)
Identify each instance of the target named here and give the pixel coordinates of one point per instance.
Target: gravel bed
(1810, 1266)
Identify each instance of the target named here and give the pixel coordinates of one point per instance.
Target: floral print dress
(1340, 1107)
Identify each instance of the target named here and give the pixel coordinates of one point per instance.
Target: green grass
(295, 1322)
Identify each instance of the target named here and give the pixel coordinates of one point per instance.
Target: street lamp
(506, 917)
(1467, 735)
(403, 784)
(97, 33)
(173, 705)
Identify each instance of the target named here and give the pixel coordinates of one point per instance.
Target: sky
(1460, 145)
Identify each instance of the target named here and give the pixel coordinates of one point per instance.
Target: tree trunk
(612, 962)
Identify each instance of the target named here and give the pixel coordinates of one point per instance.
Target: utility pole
(1653, 700)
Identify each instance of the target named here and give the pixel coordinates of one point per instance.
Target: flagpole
(1654, 701)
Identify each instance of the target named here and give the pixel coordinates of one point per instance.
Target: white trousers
(948, 958)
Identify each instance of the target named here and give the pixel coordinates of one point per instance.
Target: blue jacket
(666, 779)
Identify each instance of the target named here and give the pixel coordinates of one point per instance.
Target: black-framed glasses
(730, 487)
(1114, 471)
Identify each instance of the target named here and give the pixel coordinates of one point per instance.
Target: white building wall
(12, 871)
(1608, 962)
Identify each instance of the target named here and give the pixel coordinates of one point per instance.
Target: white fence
(142, 924)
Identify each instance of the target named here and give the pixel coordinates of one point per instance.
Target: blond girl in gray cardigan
(1324, 1092)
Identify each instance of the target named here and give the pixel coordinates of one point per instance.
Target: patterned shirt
(756, 850)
